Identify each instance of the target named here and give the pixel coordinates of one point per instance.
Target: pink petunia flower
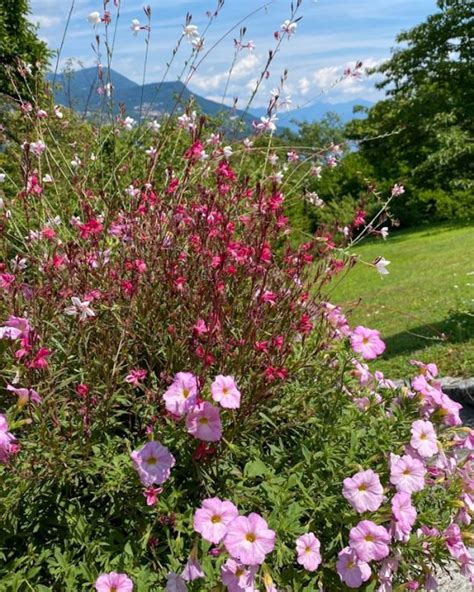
(192, 570)
(236, 577)
(249, 539)
(181, 396)
(403, 516)
(113, 582)
(204, 422)
(153, 463)
(15, 328)
(369, 541)
(175, 583)
(367, 342)
(213, 517)
(224, 391)
(308, 551)
(363, 491)
(25, 395)
(407, 473)
(423, 438)
(352, 571)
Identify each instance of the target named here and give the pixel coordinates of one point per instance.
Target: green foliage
(19, 46)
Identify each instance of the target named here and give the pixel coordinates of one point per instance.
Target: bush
(182, 405)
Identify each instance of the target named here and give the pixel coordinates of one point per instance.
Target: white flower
(248, 143)
(316, 171)
(397, 190)
(227, 150)
(128, 123)
(214, 139)
(76, 162)
(154, 126)
(381, 265)
(289, 27)
(273, 158)
(132, 191)
(94, 18)
(267, 123)
(18, 264)
(314, 199)
(57, 111)
(79, 308)
(41, 114)
(197, 43)
(151, 151)
(47, 179)
(56, 221)
(190, 32)
(38, 148)
(3, 176)
(384, 232)
(135, 26)
(277, 177)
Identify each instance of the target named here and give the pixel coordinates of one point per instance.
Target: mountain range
(80, 90)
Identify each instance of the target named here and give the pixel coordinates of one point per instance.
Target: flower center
(369, 538)
(151, 460)
(423, 436)
(185, 393)
(407, 472)
(307, 550)
(251, 538)
(350, 564)
(363, 487)
(203, 420)
(215, 519)
(225, 391)
(365, 341)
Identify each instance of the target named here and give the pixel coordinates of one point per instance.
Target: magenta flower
(225, 391)
(192, 570)
(407, 473)
(181, 396)
(308, 551)
(153, 463)
(135, 376)
(236, 577)
(367, 342)
(113, 582)
(25, 395)
(249, 539)
(363, 491)
(15, 328)
(403, 516)
(213, 517)
(352, 571)
(7, 440)
(151, 494)
(204, 422)
(369, 541)
(423, 438)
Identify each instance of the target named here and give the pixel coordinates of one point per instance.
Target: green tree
(19, 45)
(422, 132)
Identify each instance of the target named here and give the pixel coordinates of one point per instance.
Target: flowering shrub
(181, 406)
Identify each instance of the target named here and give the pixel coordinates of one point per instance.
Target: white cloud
(45, 21)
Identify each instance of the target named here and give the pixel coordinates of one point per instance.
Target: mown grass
(425, 307)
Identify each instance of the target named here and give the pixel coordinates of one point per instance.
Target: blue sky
(331, 35)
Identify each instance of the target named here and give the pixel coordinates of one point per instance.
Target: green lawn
(425, 308)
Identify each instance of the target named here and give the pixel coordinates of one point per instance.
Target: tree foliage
(19, 46)
(422, 132)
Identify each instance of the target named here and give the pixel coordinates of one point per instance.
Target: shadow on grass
(457, 328)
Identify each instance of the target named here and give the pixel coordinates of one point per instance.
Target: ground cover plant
(425, 306)
(181, 406)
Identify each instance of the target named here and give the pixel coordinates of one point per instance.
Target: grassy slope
(419, 307)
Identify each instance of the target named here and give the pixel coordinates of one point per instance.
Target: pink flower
(369, 541)
(15, 328)
(204, 422)
(151, 494)
(236, 577)
(404, 516)
(308, 551)
(423, 438)
(249, 539)
(192, 570)
(352, 571)
(407, 473)
(135, 376)
(181, 396)
(114, 582)
(225, 391)
(367, 342)
(153, 463)
(363, 491)
(25, 395)
(7, 440)
(175, 583)
(213, 517)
